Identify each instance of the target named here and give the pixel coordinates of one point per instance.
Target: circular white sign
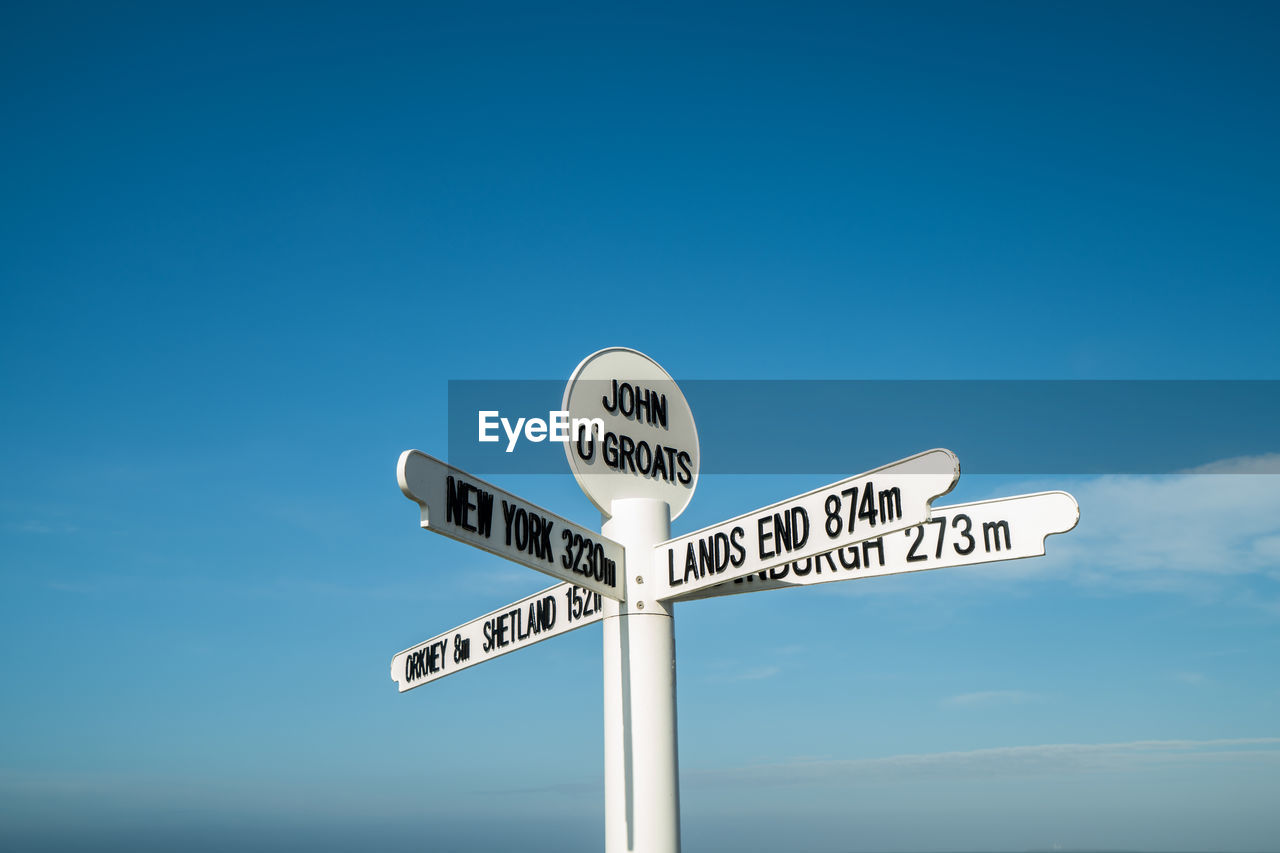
(631, 431)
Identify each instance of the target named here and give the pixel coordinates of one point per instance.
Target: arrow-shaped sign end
(408, 473)
(938, 461)
(1065, 508)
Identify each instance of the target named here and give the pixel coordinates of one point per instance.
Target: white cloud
(1013, 761)
(1266, 463)
(39, 528)
(1210, 535)
(756, 674)
(986, 698)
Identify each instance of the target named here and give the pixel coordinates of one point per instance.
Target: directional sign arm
(990, 531)
(466, 508)
(554, 611)
(891, 498)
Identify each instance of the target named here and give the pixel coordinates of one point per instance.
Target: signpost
(635, 454)
(640, 470)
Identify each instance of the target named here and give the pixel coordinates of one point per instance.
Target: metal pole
(641, 785)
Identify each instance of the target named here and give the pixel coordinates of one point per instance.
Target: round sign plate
(631, 431)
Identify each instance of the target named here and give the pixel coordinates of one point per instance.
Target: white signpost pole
(640, 469)
(641, 767)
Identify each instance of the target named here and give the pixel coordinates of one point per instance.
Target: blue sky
(245, 250)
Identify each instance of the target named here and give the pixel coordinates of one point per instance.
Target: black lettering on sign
(544, 538)
(782, 530)
(461, 648)
(660, 464)
(485, 524)
(852, 495)
(867, 509)
(912, 556)
(890, 504)
(966, 532)
(831, 563)
(632, 401)
(546, 614)
(799, 527)
(535, 535)
(528, 531)
(580, 603)
(853, 561)
(610, 452)
(427, 660)
(521, 529)
(566, 559)
(644, 411)
(508, 518)
(763, 534)
(831, 506)
(644, 457)
(685, 477)
(789, 529)
(458, 504)
(995, 527)
(706, 556)
(813, 565)
(710, 556)
(626, 446)
(588, 450)
(722, 550)
(582, 556)
(835, 522)
(942, 534)
(878, 545)
(739, 550)
(461, 500)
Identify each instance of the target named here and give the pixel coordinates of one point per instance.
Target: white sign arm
(554, 611)
(466, 508)
(990, 531)
(884, 500)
